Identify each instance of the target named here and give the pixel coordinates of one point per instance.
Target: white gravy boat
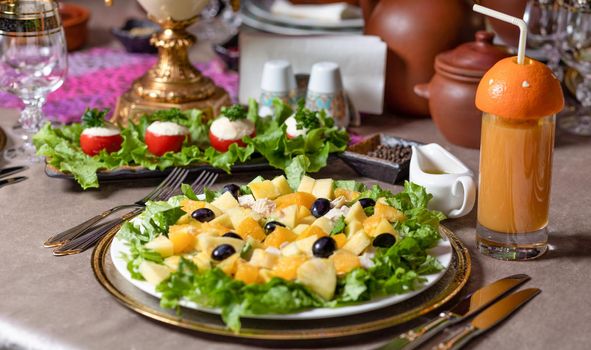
(444, 176)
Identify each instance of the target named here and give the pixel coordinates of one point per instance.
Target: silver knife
(12, 170)
(12, 180)
(488, 319)
(467, 307)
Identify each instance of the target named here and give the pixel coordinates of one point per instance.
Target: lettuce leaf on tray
(308, 153)
(396, 270)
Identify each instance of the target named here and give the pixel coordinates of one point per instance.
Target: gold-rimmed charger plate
(444, 290)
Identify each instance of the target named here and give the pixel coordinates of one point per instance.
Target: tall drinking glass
(33, 61)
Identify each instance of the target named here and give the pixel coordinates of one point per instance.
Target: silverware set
(5, 180)
(488, 306)
(85, 235)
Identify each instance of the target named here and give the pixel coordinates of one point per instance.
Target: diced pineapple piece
(161, 245)
(263, 189)
(182, 240)
(225, 201)
(384, 226)
(370, 224)
(291, 249)
(279, 236)
(265, 275)
(388, 212)
(281, 184)
(173, 262)
(185, 219)
(217, 211)
(287, 266)
(288, 216)
(344, 261)
(222, 220)
(357, 243)
(353, 227)
(323, 188)
(208, 243)
(308, 220)
(311, 231)
(203, 261)
(189, 206)
(349, 195)
(229, 265)
(263, 258)
(306, 184)
(324, 223)
(300, 228)
(247, 273)
(299, 198)
(356, 213)
(320, 276)
(249, 227)
(340, 239)
(305, 245)
(302, 212)
(153, 273)
(237, 215)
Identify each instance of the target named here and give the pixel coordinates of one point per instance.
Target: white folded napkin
(324, 12)
(362, 60)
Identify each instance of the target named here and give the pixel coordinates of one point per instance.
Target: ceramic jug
(445, 177)
(415, 32)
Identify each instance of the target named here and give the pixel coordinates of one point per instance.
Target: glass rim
(7, 8)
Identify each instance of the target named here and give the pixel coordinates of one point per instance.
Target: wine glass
(33, 62)
(575, 48)
(544, 20)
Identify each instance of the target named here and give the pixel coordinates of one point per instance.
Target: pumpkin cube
(297, 198)
(249, 227)
(323, 188)
(388, 212)
(263, 189)
(225, 201)
(161, 245)
(287, 266)
(247, 273)
(278, 237)
(344, 261)
(281, 185)
(306, 184)
(311, 231)
(182, 240)
(340, 239)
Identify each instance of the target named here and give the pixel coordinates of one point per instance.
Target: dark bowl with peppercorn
(381, 157)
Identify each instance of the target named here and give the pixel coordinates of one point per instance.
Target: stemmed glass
(33, 62)
(575, 48)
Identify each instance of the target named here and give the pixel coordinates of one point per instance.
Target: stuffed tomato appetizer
(99, 135)
(163, 137)
(301, 122)
(231, 127)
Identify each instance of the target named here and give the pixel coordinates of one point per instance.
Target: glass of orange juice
(519, 102)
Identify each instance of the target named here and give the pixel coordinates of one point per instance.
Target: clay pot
(415, 32)
(452, 90)
(74, 19)
(507, 32)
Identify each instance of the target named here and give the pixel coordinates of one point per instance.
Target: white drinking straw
(509, 19)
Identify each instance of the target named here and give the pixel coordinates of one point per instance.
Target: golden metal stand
(173, 82)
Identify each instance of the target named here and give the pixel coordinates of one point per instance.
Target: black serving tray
(375, 168)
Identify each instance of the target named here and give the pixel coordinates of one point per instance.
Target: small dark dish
(375, 168)
(135, 35)
(229, 52)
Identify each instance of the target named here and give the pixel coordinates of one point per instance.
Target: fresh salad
(268, 248)
(294, 141)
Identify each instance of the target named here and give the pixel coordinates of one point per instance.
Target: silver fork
(176, 176)
(80, 244)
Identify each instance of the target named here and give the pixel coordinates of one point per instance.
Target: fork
(80, 244)
(176, 177)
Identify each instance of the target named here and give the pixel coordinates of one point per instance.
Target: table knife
(488, 319)
(12, 180)
(12, 170)
(467, 307)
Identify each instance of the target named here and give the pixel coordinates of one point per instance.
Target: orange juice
(515, 173)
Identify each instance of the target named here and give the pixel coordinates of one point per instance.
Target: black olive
(320, 207)
(231, 235)
(367, 202)
(384, 240)
(324, 247)
(223, 251)
(233, 189)
(272, 225)
(203, 215)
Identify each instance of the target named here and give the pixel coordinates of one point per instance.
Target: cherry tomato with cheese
(94, 140)
(163, 137)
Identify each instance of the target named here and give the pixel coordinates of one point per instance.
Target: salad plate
(443, 252)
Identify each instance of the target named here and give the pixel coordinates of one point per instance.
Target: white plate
(262, 8)
(443, 253)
